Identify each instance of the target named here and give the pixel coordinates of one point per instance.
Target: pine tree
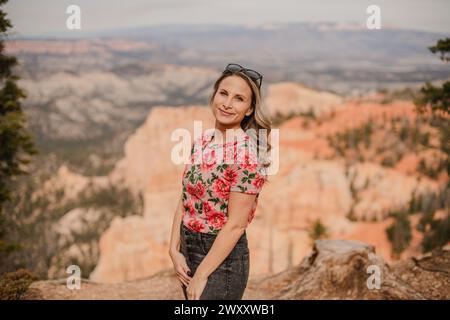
(399, 233)
(16, 145)
(318, 230)
(434, 104)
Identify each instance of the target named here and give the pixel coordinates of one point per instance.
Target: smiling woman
(209, 246)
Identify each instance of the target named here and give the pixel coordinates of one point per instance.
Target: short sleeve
(250, 175)
(189, 160)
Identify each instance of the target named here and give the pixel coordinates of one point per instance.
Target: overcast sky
(44, 17)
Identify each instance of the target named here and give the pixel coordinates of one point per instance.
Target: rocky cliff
(322, 177)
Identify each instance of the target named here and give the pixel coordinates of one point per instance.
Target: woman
(208, 245)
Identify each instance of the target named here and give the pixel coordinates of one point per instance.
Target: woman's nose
(227, 103)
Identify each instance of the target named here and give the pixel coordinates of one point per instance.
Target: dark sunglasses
(252, 74)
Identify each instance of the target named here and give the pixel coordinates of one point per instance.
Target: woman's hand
(181, 267)
(196, 287)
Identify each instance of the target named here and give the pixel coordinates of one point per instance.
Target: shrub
(13, 285)
(318, 230)
(399, 233)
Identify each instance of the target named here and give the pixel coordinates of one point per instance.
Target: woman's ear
(249, 111)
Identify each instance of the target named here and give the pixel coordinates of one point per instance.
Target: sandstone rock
(129, 251)
(76, 221)
(161, 286)
(338, 269)
(71, 184)
(382, 190)
(429, 273)
(286, 97)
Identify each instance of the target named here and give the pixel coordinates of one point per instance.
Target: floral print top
(214, 170)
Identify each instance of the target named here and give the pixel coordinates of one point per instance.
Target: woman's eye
(223, 93)
(240, 99)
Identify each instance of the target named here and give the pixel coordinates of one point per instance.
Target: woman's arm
(178, 259)
(239, 206)
(174, 245)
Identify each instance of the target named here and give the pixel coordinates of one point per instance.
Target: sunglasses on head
(252, 74)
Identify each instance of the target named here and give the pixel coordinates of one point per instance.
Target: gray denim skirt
(229, 280)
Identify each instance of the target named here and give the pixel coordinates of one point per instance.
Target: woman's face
(232, 102)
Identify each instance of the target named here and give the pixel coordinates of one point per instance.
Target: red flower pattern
(207, 185)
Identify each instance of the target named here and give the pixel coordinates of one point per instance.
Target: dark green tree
(16, 145)
(399, 233)
(432, 104)
(442, 47)
(438, 235)
(318, 230)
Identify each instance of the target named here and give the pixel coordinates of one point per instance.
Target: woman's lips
(225, 113)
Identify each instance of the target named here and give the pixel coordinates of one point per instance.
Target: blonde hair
(258, 119)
